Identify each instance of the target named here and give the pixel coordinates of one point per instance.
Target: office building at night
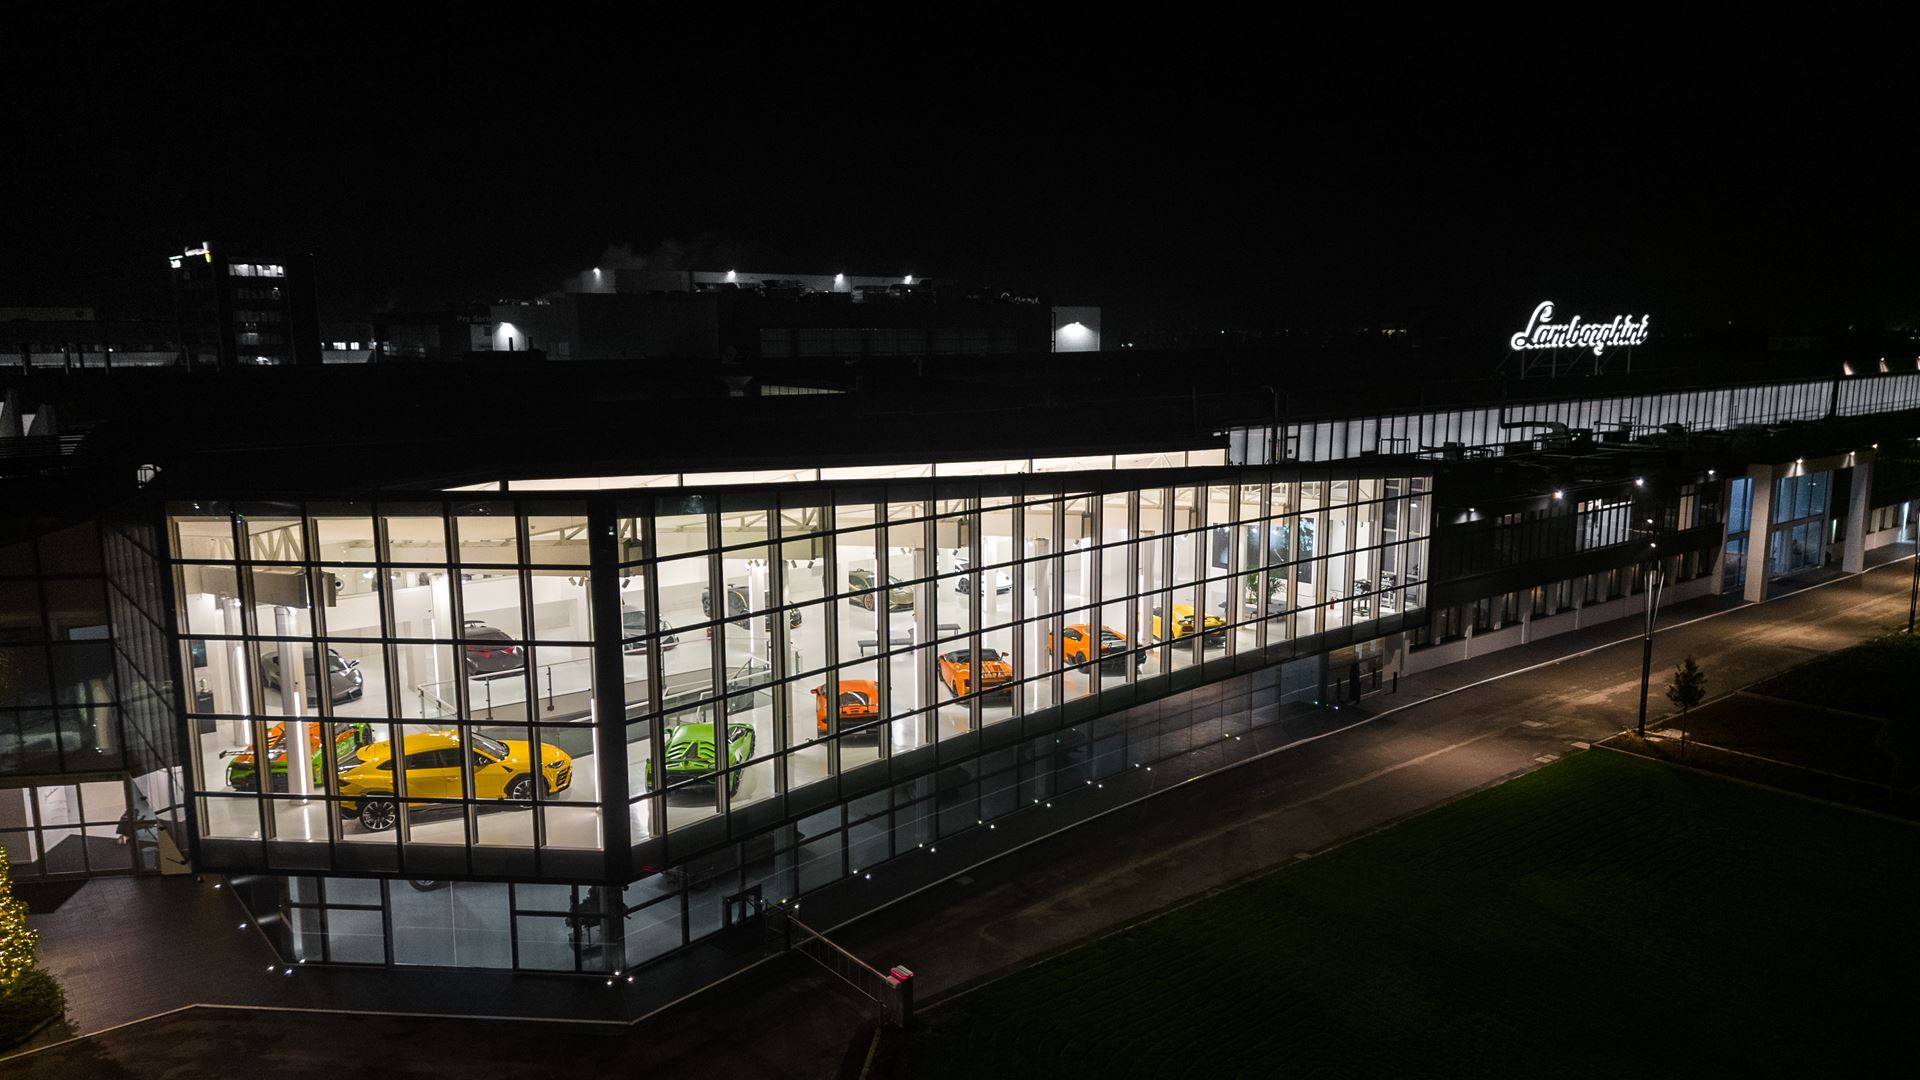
(239, 309)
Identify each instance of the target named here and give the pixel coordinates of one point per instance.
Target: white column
(235, 732)
(1759, 533)
(1853, 555)
(293, 698)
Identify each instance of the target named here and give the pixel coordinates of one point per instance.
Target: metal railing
(890, 993)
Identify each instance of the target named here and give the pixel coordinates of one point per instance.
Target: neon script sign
(1543, 333)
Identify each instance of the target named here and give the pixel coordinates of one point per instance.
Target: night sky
(1320, 173)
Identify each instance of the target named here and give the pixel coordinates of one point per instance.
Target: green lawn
(1605, 916)
(1875, 677)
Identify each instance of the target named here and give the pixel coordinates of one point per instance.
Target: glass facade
(62, 744)
(678, 689)
(866, 628)
(420, 675)
(57, 693)
(136, 569)
(1799, 523)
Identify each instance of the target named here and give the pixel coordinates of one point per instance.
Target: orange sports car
(1078, 647)
(859, 700)
(957, 671)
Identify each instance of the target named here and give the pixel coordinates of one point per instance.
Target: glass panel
(209, 600)
(340, 534)
(557, 539)
(281, 601)
(274, 538)
(421, 603)
(416, 537)
(680, 525)
(743, 520)
(561, 608)
(488, 536)
(202, 532)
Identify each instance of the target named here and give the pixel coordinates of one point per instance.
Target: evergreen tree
(16, 941)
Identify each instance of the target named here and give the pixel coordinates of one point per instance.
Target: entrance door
(1354, 671)
(740, 908)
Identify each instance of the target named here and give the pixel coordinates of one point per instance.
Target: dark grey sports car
(344, 680)
(489, 651)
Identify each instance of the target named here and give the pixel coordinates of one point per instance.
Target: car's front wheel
(378, 815)
(521, 790)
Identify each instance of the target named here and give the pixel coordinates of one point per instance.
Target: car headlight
(553, 764)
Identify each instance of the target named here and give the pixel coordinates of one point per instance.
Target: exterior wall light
(1559, 494)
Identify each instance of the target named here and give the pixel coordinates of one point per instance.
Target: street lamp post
(1913, 596)
(1655, 578)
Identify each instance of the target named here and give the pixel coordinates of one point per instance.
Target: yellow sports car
(501, 770)
(1215, 627)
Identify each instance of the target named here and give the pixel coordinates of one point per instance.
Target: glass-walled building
(63, 798)
(635, 704)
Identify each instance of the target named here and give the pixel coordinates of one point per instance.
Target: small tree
(29, 997)
(1687, 688)
(16, 941)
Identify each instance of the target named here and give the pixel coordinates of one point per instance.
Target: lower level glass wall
(434, 923)
(75, 826)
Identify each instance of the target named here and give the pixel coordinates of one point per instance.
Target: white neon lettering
(1543, 333)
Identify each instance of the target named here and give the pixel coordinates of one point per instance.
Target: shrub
(30, 1000)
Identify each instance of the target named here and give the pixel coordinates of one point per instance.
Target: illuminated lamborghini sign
(1543, 333)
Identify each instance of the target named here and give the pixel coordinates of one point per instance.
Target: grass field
(1604, 916)
(1875, 677)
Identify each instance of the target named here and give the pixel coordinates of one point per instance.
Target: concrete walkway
(1446, 733)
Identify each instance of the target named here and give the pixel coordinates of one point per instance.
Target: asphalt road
(1210, 833)
(1080, 884)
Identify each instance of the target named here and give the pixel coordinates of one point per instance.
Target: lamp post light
(1655, 578)
(1913, 596)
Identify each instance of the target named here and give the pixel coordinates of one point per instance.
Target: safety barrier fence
(890, 993)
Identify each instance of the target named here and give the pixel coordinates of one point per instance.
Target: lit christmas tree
(16, 941)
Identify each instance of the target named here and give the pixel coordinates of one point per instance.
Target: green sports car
(690, 753)
(243, 770)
